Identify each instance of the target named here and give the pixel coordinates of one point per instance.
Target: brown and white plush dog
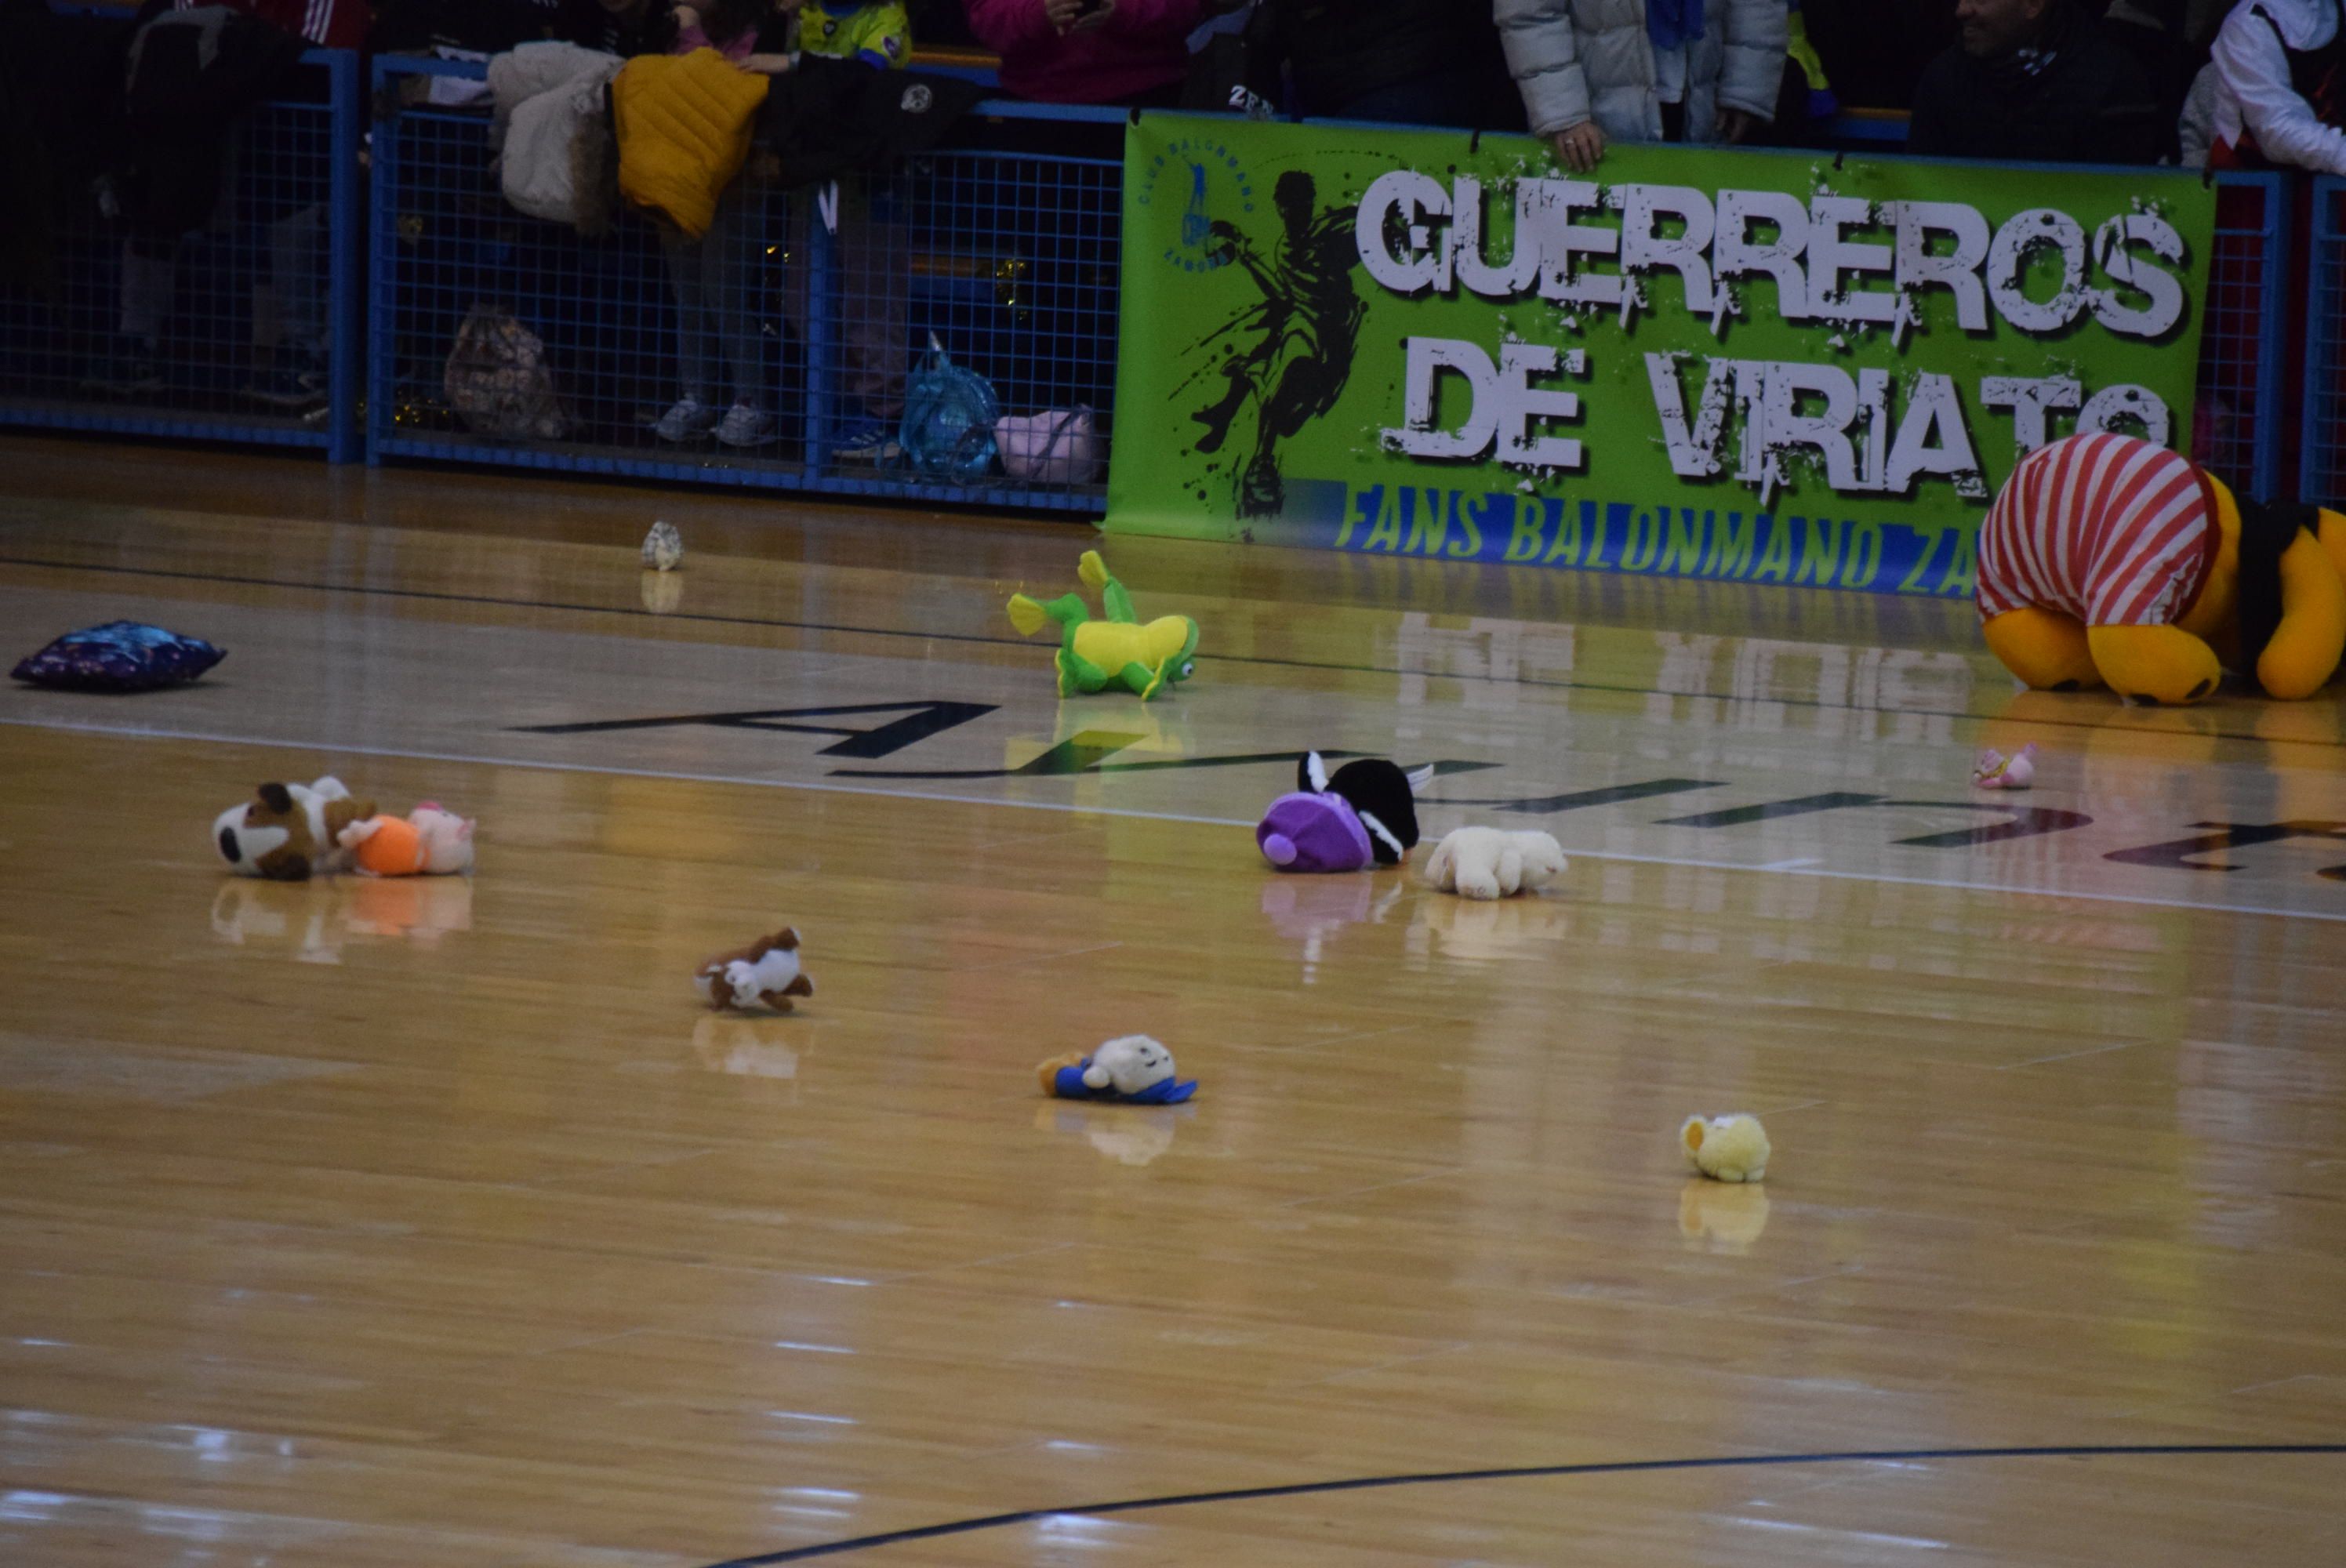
(285, 832)
(766, 973)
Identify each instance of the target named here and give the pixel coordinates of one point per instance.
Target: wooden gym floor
(432, 1224)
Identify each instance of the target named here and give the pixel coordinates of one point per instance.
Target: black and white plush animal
(1382, 796)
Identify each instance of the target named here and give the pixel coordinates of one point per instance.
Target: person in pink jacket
(1131, 52)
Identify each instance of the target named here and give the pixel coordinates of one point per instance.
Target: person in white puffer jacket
(1595, 71)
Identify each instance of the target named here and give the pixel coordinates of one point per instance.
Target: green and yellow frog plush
(1144, 657)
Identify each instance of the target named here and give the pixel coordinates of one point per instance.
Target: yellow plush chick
(1725, 1149)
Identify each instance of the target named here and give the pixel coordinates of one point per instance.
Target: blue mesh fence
(777, 351)
(242, 328)
(2240, 420)
(2321, 466)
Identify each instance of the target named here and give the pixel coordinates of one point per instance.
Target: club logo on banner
(1751, 366)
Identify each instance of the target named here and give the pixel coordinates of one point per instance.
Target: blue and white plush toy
(1131, 1069)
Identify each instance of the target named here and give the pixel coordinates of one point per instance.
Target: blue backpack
(949, 413)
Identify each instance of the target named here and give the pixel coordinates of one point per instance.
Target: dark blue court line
(1620, 1466)
(1529, 682)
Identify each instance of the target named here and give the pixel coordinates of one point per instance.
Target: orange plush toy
(427, 842)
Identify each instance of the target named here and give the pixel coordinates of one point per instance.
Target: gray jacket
(1591, 59)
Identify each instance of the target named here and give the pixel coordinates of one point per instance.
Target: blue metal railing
(246, 329)
(2321, 456)
(2241, 420)
(1007, 260)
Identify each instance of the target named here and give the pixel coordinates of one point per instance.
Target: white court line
(1780, 868)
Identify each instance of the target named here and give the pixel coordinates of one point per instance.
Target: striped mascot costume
(2111, 561)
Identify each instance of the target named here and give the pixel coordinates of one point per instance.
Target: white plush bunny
(1490, 863)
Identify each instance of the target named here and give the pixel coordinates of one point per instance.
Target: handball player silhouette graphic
(1302, 333)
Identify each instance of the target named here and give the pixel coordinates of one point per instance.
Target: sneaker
(127, 368)
(746, 425)
(285, 387)
(867, 441)
(312, 368)
(687, 419)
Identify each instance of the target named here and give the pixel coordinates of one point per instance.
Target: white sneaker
(688, 417)
(744, 425)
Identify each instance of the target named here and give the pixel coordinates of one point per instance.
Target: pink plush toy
(1998, 771)
(429, 841)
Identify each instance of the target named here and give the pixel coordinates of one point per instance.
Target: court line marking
(1524, 1473)
(1529, 682)
(1687, 862)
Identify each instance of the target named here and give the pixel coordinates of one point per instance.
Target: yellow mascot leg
(2044, 648)
(2154, 664)
(2304, 651)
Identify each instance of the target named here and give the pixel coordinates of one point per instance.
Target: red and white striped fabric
(329, 24)
(2111, 529)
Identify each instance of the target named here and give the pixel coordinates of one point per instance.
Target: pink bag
(1060, 446)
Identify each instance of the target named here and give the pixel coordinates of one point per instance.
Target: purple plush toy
(1363, 814)
(1307, 833)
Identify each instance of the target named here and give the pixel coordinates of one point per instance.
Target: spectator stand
(284, 240)
(1008, 256)
(2322, 461)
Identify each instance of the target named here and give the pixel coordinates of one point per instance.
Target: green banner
(1752, 366)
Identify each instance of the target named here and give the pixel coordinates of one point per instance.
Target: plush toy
(766, 973)
(288, 832)
(2110, 560)
(1994, 770)
(1365, 813)
(120, 655)
(1725, 1149)
(1131, 1069)
(1491, 863)
(663, 548)
(1312, 832)
(1118, 651)
(429, 841)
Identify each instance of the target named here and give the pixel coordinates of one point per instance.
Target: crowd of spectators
(2250, 83)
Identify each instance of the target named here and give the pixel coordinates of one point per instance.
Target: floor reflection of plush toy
(1492, 863)
(766, 973)
(1725, 1149)
(1120, 650)
(1131, 1068)
(288, 832)
(2109, 561)
(1729, 1218)
(427, 842)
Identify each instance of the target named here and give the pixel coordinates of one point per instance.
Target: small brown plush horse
(766, 973)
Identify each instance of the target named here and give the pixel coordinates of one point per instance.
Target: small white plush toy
(1994, 770)
(1491, 863)
(447, 839)
(1128, 1064)
(1725, 1149)
(663, 548)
